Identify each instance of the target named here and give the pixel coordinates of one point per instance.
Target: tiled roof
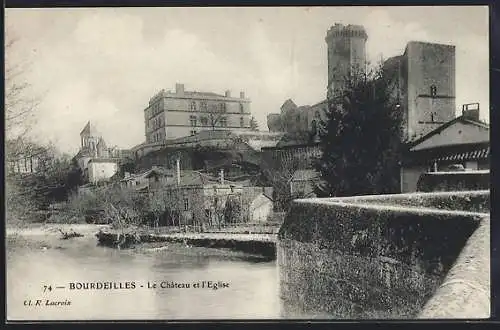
(446, 125)
(304, 175)
(202, 94)
(104, 160)
(482, 153)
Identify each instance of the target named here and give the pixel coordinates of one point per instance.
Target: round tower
(346, 51)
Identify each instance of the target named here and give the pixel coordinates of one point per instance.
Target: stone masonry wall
(346, 260)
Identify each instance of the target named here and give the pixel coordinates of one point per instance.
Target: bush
(110, 204)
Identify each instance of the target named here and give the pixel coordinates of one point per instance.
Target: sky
(103, 64)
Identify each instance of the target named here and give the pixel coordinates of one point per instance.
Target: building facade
(463, 142)
(101, 169)
(97, 161)
(423, 81)
(346, 53)
(171, 115)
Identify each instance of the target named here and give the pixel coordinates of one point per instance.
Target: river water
(40, 263)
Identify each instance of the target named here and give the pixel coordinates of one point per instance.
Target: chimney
(228, 93)
(178, 171)
(222, 176)
(471, 111)
(179, 89)
(242, 95)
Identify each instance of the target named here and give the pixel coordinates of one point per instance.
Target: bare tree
(214, 116)
(254, 126)
(20, 102)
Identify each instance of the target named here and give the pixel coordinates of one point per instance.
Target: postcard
(260, 163)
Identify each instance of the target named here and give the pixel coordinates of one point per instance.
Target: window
(242, 109)
(192, 106)
(433, 116)
(433, 90)
(204, 121)
(186, 204)
(242, 122)
(223, 122)
(222, 107)
(192, 119)
(204, 106)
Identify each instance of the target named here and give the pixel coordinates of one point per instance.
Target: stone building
(97, 161)
(460, 143)
(346, 52)
(171, 115)
(24, 157)
(423, 81)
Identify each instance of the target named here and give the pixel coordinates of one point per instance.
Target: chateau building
(171, 115)
(346, 52)
(423, 81)
(346, 45)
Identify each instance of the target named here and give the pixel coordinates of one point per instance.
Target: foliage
(54, 179)
(163, 206)
(20, 102)
(213, 116)
(232, 210)
(119, 206)
(254, 126)
(280, 181)
(360, 139)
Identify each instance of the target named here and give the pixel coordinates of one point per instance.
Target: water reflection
(252, 292)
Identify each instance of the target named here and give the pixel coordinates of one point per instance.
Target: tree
(232, 210)
(214, 116)
(254, 126)
(360, 138)
(20, 103)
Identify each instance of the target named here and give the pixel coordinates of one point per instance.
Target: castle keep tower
(346, 51)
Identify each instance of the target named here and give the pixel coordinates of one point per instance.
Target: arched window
(242, 109)
(242, 122)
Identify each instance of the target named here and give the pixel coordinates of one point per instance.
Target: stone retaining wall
(368, 257)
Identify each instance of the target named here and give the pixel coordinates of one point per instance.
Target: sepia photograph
(247, 163)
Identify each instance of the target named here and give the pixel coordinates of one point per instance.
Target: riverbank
(260, 244)
(33, 260)
(49, 235)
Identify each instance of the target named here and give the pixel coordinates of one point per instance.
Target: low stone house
(462, 141)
